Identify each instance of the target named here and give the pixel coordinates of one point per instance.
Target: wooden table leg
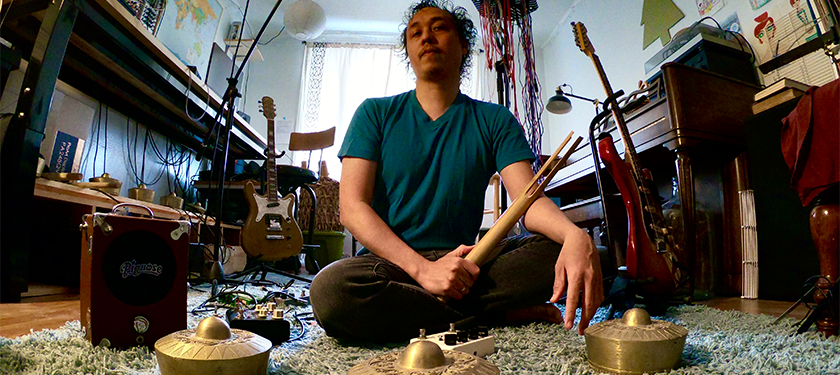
(825, 226)
(685, 179)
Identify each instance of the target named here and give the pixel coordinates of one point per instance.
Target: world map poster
(188, 29)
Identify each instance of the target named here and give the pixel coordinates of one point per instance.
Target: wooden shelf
(99, 48)
(70, 193)
(235, 185)
(112, 57)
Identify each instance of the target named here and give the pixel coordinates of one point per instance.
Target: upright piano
(692, 130)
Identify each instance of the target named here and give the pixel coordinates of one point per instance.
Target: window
(338, 77)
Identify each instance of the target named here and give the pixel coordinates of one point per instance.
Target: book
(67, 153)
(776, 99)
(780, 85)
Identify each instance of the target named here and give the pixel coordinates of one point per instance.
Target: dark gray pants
(369, 298)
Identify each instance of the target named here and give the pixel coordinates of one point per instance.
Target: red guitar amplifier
(133, 279)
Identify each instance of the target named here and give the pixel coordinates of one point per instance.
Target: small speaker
(134, 279)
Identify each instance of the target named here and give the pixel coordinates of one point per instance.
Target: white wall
(615, 31)
(279, 77)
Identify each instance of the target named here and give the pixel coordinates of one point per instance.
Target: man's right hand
(451, 276)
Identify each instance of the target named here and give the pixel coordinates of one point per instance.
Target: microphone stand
(217, 271)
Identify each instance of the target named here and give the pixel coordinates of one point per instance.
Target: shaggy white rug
(719, 342)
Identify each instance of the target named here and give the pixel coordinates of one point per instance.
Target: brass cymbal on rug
(424, 356)
(213, 348)
(635, 344)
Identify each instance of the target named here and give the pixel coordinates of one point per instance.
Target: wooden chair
(496, 210)
(290, 178)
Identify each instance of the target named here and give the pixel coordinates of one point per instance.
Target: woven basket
(327, 215)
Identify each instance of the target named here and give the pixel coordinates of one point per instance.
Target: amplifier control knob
(141, 324)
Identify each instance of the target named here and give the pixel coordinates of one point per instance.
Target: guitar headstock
(581, 39)
(267, 107)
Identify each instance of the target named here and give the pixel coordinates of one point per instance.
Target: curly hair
(465, 27)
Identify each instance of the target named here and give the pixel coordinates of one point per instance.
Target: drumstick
(485, 249)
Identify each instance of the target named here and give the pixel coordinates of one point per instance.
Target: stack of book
(779, 92)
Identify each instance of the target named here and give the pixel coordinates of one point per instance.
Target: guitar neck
(629, 149)
(270, 168)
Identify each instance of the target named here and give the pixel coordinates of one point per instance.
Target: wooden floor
(50, 307)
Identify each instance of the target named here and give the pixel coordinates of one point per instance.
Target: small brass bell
(425, 357)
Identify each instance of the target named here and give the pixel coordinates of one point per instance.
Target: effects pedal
(264, 320)
(475, 341)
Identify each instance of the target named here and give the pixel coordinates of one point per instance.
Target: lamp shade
(305, 20)
(559, 104)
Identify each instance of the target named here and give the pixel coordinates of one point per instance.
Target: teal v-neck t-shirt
(432, 176)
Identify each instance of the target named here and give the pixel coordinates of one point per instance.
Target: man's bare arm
(578, 266)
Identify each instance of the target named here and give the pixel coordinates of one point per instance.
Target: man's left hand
(578, 269)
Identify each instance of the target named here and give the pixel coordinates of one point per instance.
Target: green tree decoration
(657, 18)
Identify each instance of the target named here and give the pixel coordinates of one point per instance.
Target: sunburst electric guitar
(270, 232)
(650, 256)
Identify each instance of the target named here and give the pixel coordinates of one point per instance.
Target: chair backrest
(312, 141)
(496, 209)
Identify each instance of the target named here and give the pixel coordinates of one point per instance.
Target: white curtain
(338, 77)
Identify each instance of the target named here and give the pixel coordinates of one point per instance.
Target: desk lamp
(559, 104)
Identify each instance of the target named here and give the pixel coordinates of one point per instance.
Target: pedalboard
(475, 341)
(264, 320)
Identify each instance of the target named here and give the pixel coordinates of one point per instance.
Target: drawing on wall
(732, 24)
(708, 8)
(765, 33)
(658, 16)
(758, 3)
(188, 29)
(780, 28)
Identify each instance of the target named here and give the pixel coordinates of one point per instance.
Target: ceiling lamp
(305, 20)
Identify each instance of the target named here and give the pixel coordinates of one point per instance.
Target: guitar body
(653, 270)
(650, 247)
(270, 232)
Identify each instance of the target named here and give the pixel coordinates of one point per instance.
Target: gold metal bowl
(142, 193)
(635, 344)
(213, 348)
(105, 183)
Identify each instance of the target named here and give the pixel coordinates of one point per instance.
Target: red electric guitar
(650, 257)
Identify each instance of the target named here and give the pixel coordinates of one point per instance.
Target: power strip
(475, 341)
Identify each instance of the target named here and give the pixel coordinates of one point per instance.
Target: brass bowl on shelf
(64, 177)
(141, 193)
(105, 183)
(172, 200)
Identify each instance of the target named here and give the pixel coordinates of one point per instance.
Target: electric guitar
(651, 259)
(270, 232)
